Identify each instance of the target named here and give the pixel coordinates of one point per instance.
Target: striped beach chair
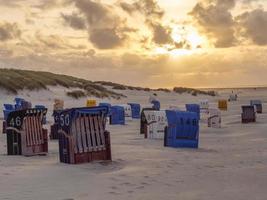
(25, 133)
(82, 135)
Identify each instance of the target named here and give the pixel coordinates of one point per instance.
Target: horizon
(210, 44)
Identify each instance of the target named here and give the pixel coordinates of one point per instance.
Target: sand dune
(230, 163)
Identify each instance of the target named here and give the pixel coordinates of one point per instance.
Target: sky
(150, 43)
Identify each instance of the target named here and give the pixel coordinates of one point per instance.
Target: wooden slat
(102, 130)
(29, 132)
(73, 137)
(35, 130)
(40, 128)
(92, 131)
(87, 130)
(83, 133)
(25, 129)
(99, 146)
(79, 136)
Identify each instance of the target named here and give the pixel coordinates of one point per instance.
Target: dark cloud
(161, 34)
(74, 20)
(254, 26)
(106, 28)
(106, 38)
(149, 8)
(9, 31)
(216, 21)
(153, 13)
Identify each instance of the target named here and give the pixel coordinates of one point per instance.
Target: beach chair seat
(248, 114)
(156, 123)
(182, 130)
(25, 133)
(214, 118)
(82, 135)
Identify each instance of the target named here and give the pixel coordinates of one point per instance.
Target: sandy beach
(229, 164)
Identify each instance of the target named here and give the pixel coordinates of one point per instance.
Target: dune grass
(14, 80)
(194, 92)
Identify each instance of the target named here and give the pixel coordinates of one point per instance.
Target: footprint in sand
(140, 187)
(114, 193)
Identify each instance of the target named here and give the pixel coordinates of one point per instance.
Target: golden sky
(155, 43)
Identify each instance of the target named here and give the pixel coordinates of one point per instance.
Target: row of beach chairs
(82, 134)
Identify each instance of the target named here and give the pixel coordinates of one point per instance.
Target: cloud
(51, 4)
(253, 25)
(9, 31)
(215, 20)
(106, 28)
(74, 20)
(161, 34)
(149, 8)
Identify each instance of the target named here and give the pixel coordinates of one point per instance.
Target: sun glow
(187, 41)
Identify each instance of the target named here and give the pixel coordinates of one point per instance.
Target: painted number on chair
(64, 120)
(15, 122)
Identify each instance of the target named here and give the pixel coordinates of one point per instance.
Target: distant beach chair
(143, 120)
(214, 118)
(91, 103)
(58, 104)
(182, 130)
(232, 97)
(55, 127)
(25, 133)
(257, 104)
(222, 105)
(127, 110)
(117, 116)
(193, 108)
(82, 135)
(248, 114)
(22, 104)
(156, 121)
(136, 108)
(204, 106)
(156, 104)
(41, 107)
